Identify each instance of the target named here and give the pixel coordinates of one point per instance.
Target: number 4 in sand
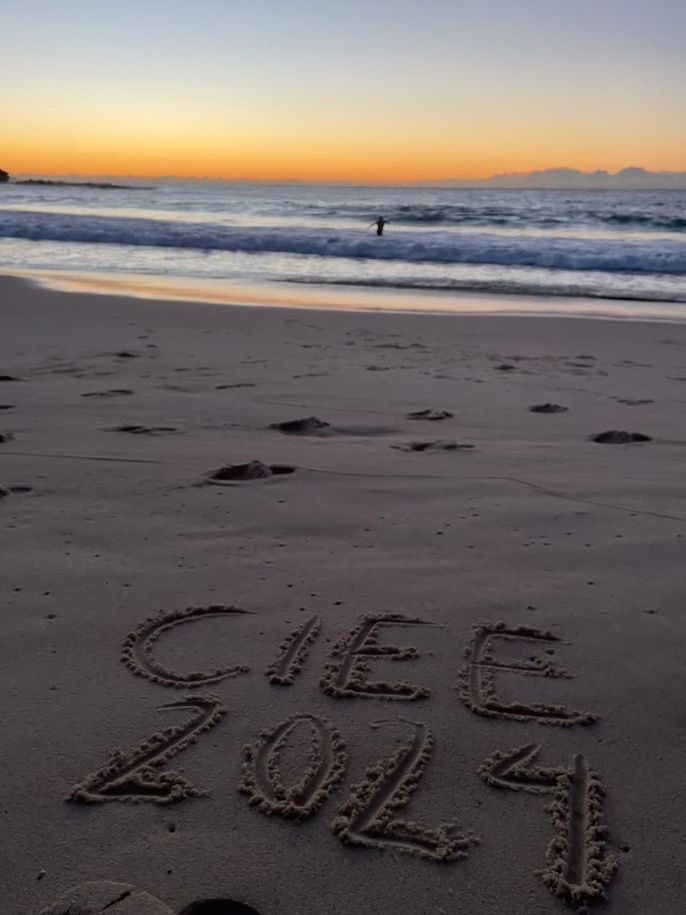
(577, 865)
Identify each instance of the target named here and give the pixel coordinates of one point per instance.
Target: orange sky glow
(448, 93)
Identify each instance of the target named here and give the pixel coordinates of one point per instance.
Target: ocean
(602, 253)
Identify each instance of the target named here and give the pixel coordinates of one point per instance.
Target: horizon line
(564, 176)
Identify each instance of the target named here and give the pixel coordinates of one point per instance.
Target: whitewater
(602, 246)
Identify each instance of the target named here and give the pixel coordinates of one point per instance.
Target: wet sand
(332, 655)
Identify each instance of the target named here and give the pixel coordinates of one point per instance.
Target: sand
(363, 668)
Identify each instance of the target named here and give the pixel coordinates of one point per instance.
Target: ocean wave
(565, 214)
(664, 256)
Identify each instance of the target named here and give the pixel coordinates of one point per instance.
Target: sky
(346, 90)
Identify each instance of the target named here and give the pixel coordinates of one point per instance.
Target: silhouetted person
(379, 223)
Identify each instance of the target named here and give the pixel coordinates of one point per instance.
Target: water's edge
(352, 299)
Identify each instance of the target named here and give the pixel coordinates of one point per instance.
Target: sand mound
(19, 488)
(254, 470)
(432, 446)
(146, 430)
(619, 437)
(433, 415)
(239, 384)
(113, 392)
(548, 408)
(308, 426)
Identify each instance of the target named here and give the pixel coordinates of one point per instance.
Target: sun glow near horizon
(388, 95)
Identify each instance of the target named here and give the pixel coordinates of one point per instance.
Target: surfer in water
(379, 223)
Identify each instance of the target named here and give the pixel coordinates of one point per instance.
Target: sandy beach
(376, 663)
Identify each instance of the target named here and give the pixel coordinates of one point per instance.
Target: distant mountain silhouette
(632, 178)
(4, 176)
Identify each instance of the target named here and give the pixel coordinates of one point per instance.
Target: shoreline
(329, 297)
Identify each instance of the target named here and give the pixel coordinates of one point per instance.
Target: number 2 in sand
(369, 816)
(139, 774)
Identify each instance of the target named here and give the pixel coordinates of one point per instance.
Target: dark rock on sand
(433, 415)
(5, 377)
(6, 406)
(308, 426)
(5, 437)
(254, 470)
(617, 437)
(548, 408)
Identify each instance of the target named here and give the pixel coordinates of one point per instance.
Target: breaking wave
(644, 256)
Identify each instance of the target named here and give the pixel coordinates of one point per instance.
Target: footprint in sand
(311, 425)
(619, 437)
(112, 392)
(100, 896)
(18, 488)
(254, 470)
(308, 426)
(147, 430)
(238, 384)
(218, 907)
(548, 408)
(432, 446)
(432, 415)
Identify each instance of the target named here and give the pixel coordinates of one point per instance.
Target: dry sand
(392, 766)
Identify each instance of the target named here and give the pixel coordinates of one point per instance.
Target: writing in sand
(577, 867)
